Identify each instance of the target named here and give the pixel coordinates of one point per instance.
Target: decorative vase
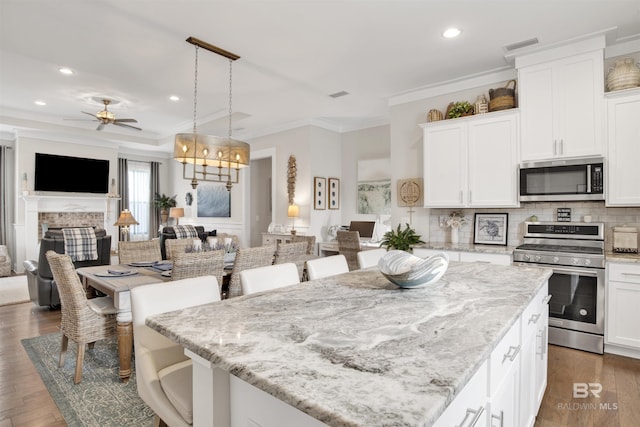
(164, 216)
(625, 74)
(455, 236)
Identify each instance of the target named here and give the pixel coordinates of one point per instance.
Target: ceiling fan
(106, 117)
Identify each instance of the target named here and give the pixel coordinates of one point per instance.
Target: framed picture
(319, 192)
(214, 200)
(334, 193)
(374, 186)
(490, 229)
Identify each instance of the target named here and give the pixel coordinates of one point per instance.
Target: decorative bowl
(409, 271)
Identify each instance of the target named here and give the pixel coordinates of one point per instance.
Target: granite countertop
(467, 247)
(611, 256)
(355, 350)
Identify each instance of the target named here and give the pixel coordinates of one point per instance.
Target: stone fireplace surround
(57, 211)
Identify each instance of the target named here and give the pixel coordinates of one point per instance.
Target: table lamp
(176, 213)
(124, 221)
(293, 212)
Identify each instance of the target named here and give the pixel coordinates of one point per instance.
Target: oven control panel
(558, 259)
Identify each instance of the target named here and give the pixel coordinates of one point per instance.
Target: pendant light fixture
(210, 158)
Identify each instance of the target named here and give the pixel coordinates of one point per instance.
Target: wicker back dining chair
(349, 246)
(138, 251)
(177, 246)
(258, 256)
(196, 264)
(83, 320)
(311, 242)
(295, 252)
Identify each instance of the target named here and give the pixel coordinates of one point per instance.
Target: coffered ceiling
(294, 55)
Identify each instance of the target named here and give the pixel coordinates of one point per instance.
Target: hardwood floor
(24, 400)
(619, 402)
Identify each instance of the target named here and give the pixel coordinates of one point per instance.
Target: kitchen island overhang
(354, 349)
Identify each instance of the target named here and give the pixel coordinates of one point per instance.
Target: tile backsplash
(545, 211)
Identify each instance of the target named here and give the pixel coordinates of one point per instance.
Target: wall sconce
(293, 212)
(176, 213)
(124, 221)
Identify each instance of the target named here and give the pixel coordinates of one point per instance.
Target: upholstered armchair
(45, 293)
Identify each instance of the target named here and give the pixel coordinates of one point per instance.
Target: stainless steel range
(575, 252)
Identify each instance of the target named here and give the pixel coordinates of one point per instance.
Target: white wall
(365, 144)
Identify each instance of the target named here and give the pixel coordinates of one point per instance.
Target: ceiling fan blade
(91, 114)
(126, 126)
(126, 120)
(100, 126)
(82, 120)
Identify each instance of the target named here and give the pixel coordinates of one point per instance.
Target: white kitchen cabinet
(472, 161)
(469, 406)
(622, 331)
(561, 106)
(504, 380)
(533, 369)
(623, 148)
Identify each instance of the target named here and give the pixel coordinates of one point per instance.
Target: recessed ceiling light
(66, 71)
(40, 102)
(174, 98)
(451, 33)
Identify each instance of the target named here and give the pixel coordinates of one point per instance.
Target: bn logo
(582, 390)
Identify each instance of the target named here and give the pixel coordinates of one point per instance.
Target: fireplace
(63, 211)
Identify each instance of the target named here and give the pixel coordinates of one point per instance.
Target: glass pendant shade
(211, 150)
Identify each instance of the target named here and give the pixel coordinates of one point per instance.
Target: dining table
(116, 281)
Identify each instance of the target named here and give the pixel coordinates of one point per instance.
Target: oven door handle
(591, 272)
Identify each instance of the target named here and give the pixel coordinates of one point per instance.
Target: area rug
(13, 290)
(100, 399)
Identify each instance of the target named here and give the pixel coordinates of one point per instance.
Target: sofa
(170, 233)
(45, 292)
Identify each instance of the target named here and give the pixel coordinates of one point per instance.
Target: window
(139, 175)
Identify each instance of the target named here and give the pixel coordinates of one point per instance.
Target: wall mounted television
(71, 174)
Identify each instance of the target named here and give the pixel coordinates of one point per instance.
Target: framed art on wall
(213, 201)
(374, 186)
(334, 193)
(319, 192)
(490, 229)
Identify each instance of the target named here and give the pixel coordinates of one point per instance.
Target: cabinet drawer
(629, 273)
(504, 357)
(533, 315)
(469, 404)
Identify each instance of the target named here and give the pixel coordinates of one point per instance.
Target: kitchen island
(349, 350)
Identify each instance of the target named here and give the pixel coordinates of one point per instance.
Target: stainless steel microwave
(562, 180)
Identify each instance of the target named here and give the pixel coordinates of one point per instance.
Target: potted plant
(164, 203)
(402, 240)
(459, 109)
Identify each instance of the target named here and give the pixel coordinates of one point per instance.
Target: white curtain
(139, 192)
(4, 195)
